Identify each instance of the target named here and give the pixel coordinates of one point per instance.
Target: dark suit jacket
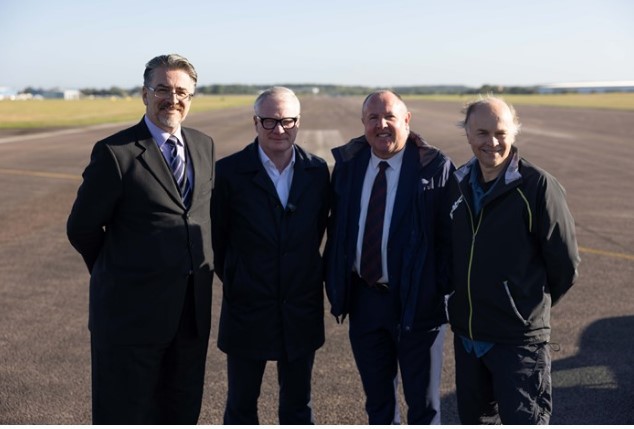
(139, 241)
(414, 254)
(268, 257)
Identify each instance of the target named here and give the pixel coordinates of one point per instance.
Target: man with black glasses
(141, 222)
(269, 211)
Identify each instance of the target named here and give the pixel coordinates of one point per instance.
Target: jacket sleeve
(558, 239)
(323, 215)
(220, 221)
(443, 241)
(334, 264)
(95, 204)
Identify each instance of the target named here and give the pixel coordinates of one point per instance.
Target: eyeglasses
(271, 123)
(167, 93)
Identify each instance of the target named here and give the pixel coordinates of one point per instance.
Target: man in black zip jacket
(514, 255)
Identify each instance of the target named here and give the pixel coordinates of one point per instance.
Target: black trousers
(245, 380)
(509, 384)
(151, 384)
(380, 350)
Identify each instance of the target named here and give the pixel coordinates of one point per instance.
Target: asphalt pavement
(44, 341)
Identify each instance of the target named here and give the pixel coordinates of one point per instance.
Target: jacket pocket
(205, 187)
(513, 306)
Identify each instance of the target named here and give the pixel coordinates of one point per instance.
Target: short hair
(171, 62)
(484, 100)
(378, 92)
(274, 91)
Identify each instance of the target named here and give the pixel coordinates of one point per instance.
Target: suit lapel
(300, 177)
(406, 183)
(262, 180)
(260, 177)
(359, 167)
(154, 161)
(252, 165)
(195, 157)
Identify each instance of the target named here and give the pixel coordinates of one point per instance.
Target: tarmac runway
(44, 340)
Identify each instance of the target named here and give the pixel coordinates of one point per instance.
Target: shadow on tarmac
(595, 386)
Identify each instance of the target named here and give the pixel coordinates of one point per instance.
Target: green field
(61, 113)
(614, 101)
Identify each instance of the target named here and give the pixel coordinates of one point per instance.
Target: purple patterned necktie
(177, 165)
(371, 262)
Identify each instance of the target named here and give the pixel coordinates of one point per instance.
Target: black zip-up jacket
(512, 261)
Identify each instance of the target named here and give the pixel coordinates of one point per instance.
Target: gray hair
(171, 62)
(275, 91)
(485, 100)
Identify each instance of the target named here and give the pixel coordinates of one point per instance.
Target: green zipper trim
(528, 208)
(474, 232)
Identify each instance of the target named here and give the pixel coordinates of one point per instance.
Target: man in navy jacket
(397, 321)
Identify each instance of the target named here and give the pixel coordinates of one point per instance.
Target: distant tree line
(334, 90)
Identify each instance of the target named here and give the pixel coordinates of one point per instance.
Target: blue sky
(99, 44)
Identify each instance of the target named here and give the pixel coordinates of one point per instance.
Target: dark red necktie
(371, 262)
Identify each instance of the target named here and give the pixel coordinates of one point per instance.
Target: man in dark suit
(269, 211)
(141, 221)
(386, 259)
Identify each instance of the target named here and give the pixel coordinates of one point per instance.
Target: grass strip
(76, 113)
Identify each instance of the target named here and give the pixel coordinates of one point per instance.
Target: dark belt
(381, 287)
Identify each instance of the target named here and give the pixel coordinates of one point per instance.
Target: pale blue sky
(84, 43)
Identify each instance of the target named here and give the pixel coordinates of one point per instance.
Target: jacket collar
(153, 159)
(250, 163)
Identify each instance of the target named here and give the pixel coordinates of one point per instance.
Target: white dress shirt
(392, 174)
(281, 180)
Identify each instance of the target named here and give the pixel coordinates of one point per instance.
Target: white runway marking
(546, 133)
(320, 142)
(46, 174)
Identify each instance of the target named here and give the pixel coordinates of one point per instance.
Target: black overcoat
(268, 256)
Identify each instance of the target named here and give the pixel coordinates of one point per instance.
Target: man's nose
(279, 128)
(381, 122)
(493, 141)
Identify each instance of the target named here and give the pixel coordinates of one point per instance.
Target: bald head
(493, 106)
(382, 93)
(491, 126)
(386, 121)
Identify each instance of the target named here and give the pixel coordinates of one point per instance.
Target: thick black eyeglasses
(166, 93)
(271, 123)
